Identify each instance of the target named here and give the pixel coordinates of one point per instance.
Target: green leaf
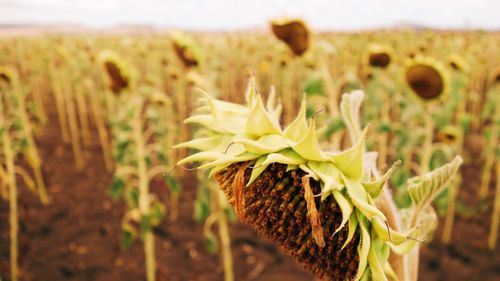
(375, 187)
(335, 124)
(329, 175)
(359, 198)
(204, 144)
(308, 147)
(375, 259)
(423, 189)
(257, 170)
(260, 122)
(297, 129)
(363, 247)
(157, 212)
(211, 243)
(353, 225)
(350, 161)
(172, 184)
(314, 87)
(346, 208)
(202, 204)
(127, 238)
(285, 156)
(264, 144)
(117, 188)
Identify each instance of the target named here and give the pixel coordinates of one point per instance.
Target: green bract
(232, 133)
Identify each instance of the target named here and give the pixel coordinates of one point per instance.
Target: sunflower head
(496, 76)
(6, 75)
(426, 78)
(449, 135)
(458, 63)
(185, 49)
(293, 32)
(117, 73)
(379, 56)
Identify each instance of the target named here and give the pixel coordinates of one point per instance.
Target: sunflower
(457, 63)
(379, 55)
(293, 32)
(427, 78)
(317, 205)
(185, 49)
(496, 76)
(449, 135)
(6, 75)
(118, 74)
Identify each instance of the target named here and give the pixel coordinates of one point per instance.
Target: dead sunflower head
(457, 63)
(185, 49)
(379, 56)
(426, 78)
(293, 32)
(117, 73)
(271, 175)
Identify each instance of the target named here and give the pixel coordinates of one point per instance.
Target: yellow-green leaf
(350, 161)
(260, 122)
(308, 147)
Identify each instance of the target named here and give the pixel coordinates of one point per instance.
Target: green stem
(490, 157)
(227, 258)
(144, 206)
(450, 210)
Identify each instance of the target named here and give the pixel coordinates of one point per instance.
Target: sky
(239, 14)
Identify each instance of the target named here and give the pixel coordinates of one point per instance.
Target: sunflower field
(282, 154)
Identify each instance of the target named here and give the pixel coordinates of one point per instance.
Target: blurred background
(76, 76)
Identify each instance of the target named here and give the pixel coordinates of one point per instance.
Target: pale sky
(239, 14)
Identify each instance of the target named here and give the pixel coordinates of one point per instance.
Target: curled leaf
(424, 189)
(237, 186)
(349, 108)
(312, 213)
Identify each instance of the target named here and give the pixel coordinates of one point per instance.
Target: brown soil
(77, 236)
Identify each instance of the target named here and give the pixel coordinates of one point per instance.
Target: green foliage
(314, 87)
(127, 239)
(172, 184)
(202, 204)
(117, 188)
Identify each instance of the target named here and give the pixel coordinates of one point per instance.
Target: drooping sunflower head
(379, 55)
(293, 32)
(426, 78)
(495, 77)
(117, 73)
(7, 75)
(185, 49)
(458, 63)
(449, 135)
(251, 135)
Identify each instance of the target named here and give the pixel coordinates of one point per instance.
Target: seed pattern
(275, 207)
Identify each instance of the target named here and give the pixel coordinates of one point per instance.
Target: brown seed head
(294, 33)
(425, 80)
